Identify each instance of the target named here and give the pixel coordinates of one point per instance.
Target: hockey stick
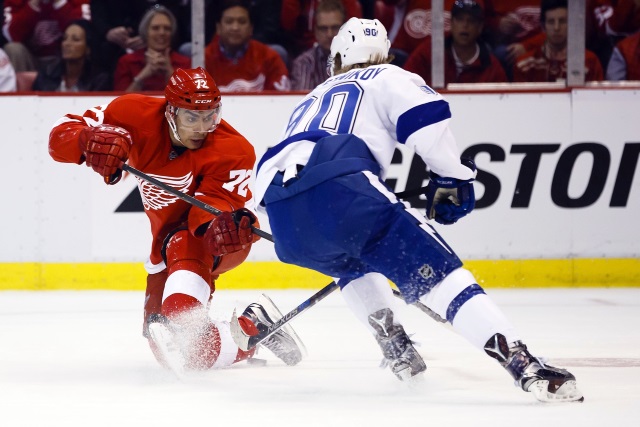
(187, 198)
(423, 308)
(208, 208)
(246, 342)
(243, 340)
(410, 193)
(239, 336)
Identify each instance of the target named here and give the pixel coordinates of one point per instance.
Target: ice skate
(403, 359)
(547, 383)
(284, 343)
(163, 337)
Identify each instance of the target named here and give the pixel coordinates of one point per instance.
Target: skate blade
(275, 314)
(407, 375)
(404, 374)
(163, 339)
(567, 392)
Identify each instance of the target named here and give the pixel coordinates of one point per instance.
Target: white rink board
(63, 213)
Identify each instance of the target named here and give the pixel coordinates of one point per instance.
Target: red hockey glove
(105, 148)
(230, 232)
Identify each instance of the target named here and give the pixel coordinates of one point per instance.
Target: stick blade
(275, 314)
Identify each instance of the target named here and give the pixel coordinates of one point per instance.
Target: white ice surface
(78, 359)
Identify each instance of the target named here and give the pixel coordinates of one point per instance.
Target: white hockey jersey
(383, 105)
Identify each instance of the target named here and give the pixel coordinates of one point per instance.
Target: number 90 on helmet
(192, 89)
(359, 41)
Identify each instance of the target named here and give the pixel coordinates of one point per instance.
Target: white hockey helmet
(359, 41)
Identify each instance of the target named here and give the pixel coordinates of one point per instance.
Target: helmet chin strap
(168, 114)
(179, 141)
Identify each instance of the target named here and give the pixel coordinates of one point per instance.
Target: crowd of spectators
(256, 45)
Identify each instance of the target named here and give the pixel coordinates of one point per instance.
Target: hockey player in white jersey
(330, 210)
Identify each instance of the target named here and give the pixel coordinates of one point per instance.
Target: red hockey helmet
(193, 101)
(192, 89)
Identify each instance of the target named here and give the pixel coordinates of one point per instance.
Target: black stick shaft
(187, 198)
(312, 300)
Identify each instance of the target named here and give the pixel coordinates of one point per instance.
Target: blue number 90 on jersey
(370, 32)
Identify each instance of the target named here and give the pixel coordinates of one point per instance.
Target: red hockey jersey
(535, 66)
(41, 30)
(259, 68)
(217, 173)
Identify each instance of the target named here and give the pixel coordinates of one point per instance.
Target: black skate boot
(284, 343)
(547, 383)
(397, 348)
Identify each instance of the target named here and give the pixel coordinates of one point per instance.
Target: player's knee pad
(448, 296)
(183, 251)
(189, 267)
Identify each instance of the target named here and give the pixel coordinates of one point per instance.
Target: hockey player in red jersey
(182, 141)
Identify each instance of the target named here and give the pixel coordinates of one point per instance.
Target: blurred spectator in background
(236, 61)
(608, 22)
(7, 74)
(515, 29)
(310, 68)
(467, 58)
(117, 22)
(625, 60)
(297, 19)
(73, 71)
(265, 19)
(33, 29)
(548, 63)
(409, 23)
(623, 18)
(149, 69)
(368, 8)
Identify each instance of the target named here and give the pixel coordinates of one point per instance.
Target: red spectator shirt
(534, 66)
(406, 32)
(525, 12)
(41, 30)
(217, 173)
(624, 18)
(131, 64)
(260, 68)
(630, 50)
(297, 17)
(484, 69)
